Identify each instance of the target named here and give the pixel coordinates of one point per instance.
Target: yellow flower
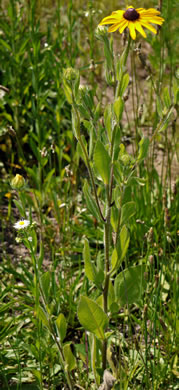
(134, 19)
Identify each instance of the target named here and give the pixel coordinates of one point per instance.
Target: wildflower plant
(83, 305)
(113, 174)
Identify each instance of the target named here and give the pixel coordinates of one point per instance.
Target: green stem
(107, 234)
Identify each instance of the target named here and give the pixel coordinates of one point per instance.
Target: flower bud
(70, 74)
(17, 182)
(101, 31)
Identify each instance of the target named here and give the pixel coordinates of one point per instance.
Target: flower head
(24, 223)
(17, 182)
(134, 19)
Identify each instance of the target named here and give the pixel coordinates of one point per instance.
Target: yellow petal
(140, 9)
(150, 11)
(123, 25)
(109, 20)
(114, 27)
(155, 20)
(131, 27)
(149, 26)
(140, 29)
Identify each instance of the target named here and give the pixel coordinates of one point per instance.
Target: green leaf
(41, 253)
(80, 150)
(92, 317)
(45, 284)
(118, 108)
(61, 326)
(122, 244)
(5, 307)
(90, 202)
(127, 212)
(20, 207)
(130, 284)
(68, 92)
(124, 84)
(69, 357)
(76, 123)
(143, 148)
(6, 45)
(43, 317)
(175, 91)
(114, 259)
(7, 330)
(108, 120)
(48, 179)
(159, 107)
(102, 161)
(99, 279)
(133, 180)
(117, 138)
(89, 267)
(114, 217)
(164, 122)
(166, 97)
(111, 294)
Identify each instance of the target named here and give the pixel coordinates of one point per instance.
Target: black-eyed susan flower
(134, 19)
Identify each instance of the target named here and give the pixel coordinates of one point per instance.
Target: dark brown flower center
(131, 14)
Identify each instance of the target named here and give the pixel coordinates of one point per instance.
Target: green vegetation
(89, 204)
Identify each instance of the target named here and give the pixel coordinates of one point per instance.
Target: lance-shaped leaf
(92, 317)
(68, 92)
(108, 120)
(118, 107)
(89, 267)
(121, 248)
(61, 326)
(127, 211)
(124, 84)
(166, 97)
(130, 284)
(69, 357)
(123, 243)
(143, 148)
(102, 161)
(45, 284)
(90, 202)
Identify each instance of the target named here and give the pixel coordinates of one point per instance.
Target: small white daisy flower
(22, 224)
